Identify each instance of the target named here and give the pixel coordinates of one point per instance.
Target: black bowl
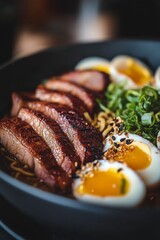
(58, 213)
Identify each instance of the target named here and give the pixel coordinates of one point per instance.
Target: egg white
(133, 197)
(116, 61)
(157, 78)
(158, 140)
(121, 61)
(118, 78)
(91, 62)
(151, 174)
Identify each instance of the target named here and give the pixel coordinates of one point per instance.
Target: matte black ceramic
(54, 212)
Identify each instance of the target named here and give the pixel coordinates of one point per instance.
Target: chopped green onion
(151, 92)
(157, 117)
(147, 119)
(132, 95)
(139, 108)
(102, 107)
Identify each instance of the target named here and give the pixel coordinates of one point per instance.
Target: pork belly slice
(91, 79)
(86, 139)
(19, 100)
(19, 138)
(60, 97)
(55, 138)
(85, 95)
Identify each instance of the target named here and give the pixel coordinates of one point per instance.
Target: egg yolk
(137, 156)
(138, 73)
(102, 68)
(104, 183)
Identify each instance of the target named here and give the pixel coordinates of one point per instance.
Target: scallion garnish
(139, 108)
(148, 119)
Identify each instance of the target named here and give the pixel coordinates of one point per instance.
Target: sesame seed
(117, 145)
(122, 139)
(119, 170)
(129, 141)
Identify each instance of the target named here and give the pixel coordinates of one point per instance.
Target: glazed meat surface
(47, 129)
(26, 145)
(85, 95)
(55, 138)
(86, 139)
(19, 100)
(91, 79)
(60, 97)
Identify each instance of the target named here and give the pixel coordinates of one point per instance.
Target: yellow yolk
(102, 68)
(138, 73)
(137, 158)
(104, 183)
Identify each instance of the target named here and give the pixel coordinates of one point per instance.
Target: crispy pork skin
(86, 139)
(91, 79)
(19, 138)
(85, 95)
(61, 97)
(52, 134)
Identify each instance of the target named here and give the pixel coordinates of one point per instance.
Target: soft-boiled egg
(96, 63)
(137, 153)
(156, 82)
(134, 69)
(118, 78)
(112, 184)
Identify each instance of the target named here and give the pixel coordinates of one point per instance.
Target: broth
(152, 198)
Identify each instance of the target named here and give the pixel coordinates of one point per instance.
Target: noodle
(101, 121)
(106, 131)
(14, 165)
(17, 175)
(3, 153)
(20, 170)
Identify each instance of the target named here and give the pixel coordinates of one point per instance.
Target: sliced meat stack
(61, 97)
(52, 134)
(47, 129)
(21, 141)
(85, 95)
(86, 139)
(91, 79)
(19, 100)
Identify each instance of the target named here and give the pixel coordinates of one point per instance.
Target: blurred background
(28, 26)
